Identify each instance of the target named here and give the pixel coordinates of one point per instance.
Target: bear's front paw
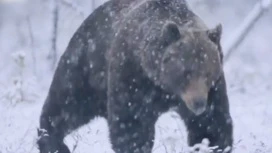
(49, 144)
(203, 147)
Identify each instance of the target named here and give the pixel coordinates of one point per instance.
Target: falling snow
(248, 73)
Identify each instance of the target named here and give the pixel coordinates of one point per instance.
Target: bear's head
(191, 63)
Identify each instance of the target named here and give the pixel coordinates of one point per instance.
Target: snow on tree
(21, 89)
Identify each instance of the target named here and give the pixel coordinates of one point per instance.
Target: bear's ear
(215, 34)
(170, 33)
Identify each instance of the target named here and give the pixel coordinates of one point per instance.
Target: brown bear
(131, 61)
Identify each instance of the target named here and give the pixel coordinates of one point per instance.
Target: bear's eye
(167, 59)
(187, 73)
(208, 75)
(211, 78)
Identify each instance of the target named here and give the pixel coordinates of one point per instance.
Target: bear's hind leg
(71, 103)
(59, 119)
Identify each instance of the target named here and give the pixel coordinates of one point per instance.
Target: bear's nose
(199, 106)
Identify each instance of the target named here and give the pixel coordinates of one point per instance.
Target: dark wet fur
(106, 71)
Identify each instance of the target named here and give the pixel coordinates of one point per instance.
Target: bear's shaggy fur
(131, 61)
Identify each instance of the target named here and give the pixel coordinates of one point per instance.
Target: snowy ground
(249, 78)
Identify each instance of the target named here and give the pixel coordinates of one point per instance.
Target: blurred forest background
(35, 33)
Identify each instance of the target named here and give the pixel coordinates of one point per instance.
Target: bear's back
(91, 44)
(88, 46)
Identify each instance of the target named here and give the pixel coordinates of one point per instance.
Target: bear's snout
(195, 104)
(195, 96)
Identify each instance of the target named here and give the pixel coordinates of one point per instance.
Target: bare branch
(33, 54)
(239, 35)
(53, 55)
(73, 7)
(93, 5)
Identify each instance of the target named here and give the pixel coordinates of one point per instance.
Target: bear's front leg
(218, 130)
(49, 143)
(131, 124)
(131, 121)
(130, 135)
(215, 123)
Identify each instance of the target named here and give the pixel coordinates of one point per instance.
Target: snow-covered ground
(248, 73)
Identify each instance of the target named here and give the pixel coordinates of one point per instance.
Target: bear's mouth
(197, 107)
(196, 104)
